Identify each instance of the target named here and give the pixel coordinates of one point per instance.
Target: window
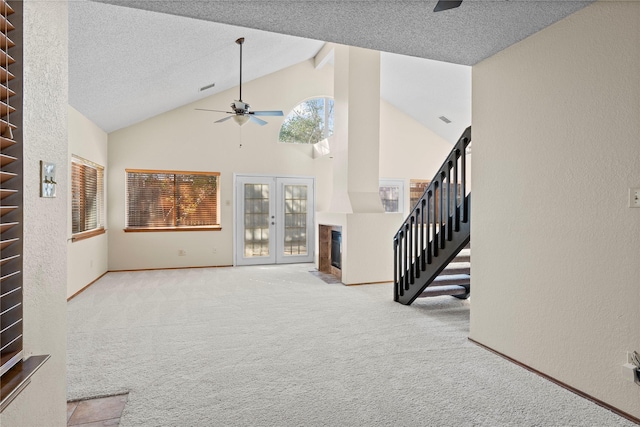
(87, 198)
(392, 195)
(310, 122)
(169, 200)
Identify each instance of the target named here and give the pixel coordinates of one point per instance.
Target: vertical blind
(11, 198)
(87, 195)
(167, 199)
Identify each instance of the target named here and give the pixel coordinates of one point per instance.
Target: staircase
(431, 253)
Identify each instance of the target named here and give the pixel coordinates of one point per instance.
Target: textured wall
(189, 140)
(42, 403)
(87, 259)
(555, 247)
(185, 139)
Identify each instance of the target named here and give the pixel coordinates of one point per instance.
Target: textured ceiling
(130, 63)
(465, 35)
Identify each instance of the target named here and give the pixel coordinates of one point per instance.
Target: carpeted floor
(277, 346)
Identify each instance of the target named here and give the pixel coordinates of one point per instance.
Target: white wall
(408, 150)
(43, 402)
(189, 140)
(86, 259)
(555, 248)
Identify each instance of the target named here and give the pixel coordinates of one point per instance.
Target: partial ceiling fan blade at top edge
(215, 111)
(267, 113)
(257, 120)
(446, 5)
(223, 120)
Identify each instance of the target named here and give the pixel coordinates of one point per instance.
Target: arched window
(309, 122)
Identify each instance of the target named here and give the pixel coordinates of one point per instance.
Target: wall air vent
(444, 119)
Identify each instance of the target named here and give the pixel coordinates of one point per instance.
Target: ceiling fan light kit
(241, 110)
(240, 119)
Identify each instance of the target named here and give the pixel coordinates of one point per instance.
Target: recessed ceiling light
(444, 119)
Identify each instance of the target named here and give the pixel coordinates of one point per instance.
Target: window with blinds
(87, 198)
(11, 198)
(170, 200)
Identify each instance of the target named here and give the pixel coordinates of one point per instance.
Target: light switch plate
(634, 197)
(47, 179)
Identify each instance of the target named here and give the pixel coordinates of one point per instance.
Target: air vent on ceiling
(207, 87)
(444, 119)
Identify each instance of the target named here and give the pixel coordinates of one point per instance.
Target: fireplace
(330, 250)
(336, 249)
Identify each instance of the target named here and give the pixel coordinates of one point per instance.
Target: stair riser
(432, 291)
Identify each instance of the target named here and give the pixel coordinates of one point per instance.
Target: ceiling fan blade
(215, 111)
(267, 113)
(257, 120)
(446, 5)
(223, 119)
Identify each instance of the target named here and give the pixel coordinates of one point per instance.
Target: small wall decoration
(47, 179)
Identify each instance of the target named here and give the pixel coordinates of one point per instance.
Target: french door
(274, 220)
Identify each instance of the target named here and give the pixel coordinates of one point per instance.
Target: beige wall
(555, 247)
(43, 402)
(185, 139)
(86, 259)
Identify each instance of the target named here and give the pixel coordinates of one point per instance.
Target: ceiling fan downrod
(240, 41)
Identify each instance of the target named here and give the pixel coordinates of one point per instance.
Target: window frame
(136, 229)
(401, 196)
(100, 199)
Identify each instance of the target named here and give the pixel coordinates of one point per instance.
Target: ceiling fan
(241, 113)
(446, 5)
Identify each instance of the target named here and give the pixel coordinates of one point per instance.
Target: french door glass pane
(295, 219)
(256, 220)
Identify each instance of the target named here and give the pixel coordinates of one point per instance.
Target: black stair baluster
(406, 258)
(449, 217)
(463, 191)
(412, 276)
(429, 220)
(396, 288)
(436, 219)
(418, 233)
(456, 193)
(424, 238)
(441, 213)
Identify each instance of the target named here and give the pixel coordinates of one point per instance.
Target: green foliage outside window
(309, 122)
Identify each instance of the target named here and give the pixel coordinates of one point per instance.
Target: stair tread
(465, 252)
(444, 277)
(455, 264)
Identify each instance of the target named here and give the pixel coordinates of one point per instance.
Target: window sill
(87, 234)
(153, 229)
(17, 378)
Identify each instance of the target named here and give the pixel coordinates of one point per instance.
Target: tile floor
(103, 411)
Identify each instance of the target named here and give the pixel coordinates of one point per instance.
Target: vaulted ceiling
(130, 60)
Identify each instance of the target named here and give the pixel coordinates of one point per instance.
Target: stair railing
(441, 215)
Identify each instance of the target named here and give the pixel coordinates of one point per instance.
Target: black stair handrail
(435, 219)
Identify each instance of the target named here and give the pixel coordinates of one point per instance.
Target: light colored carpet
(277, 346)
